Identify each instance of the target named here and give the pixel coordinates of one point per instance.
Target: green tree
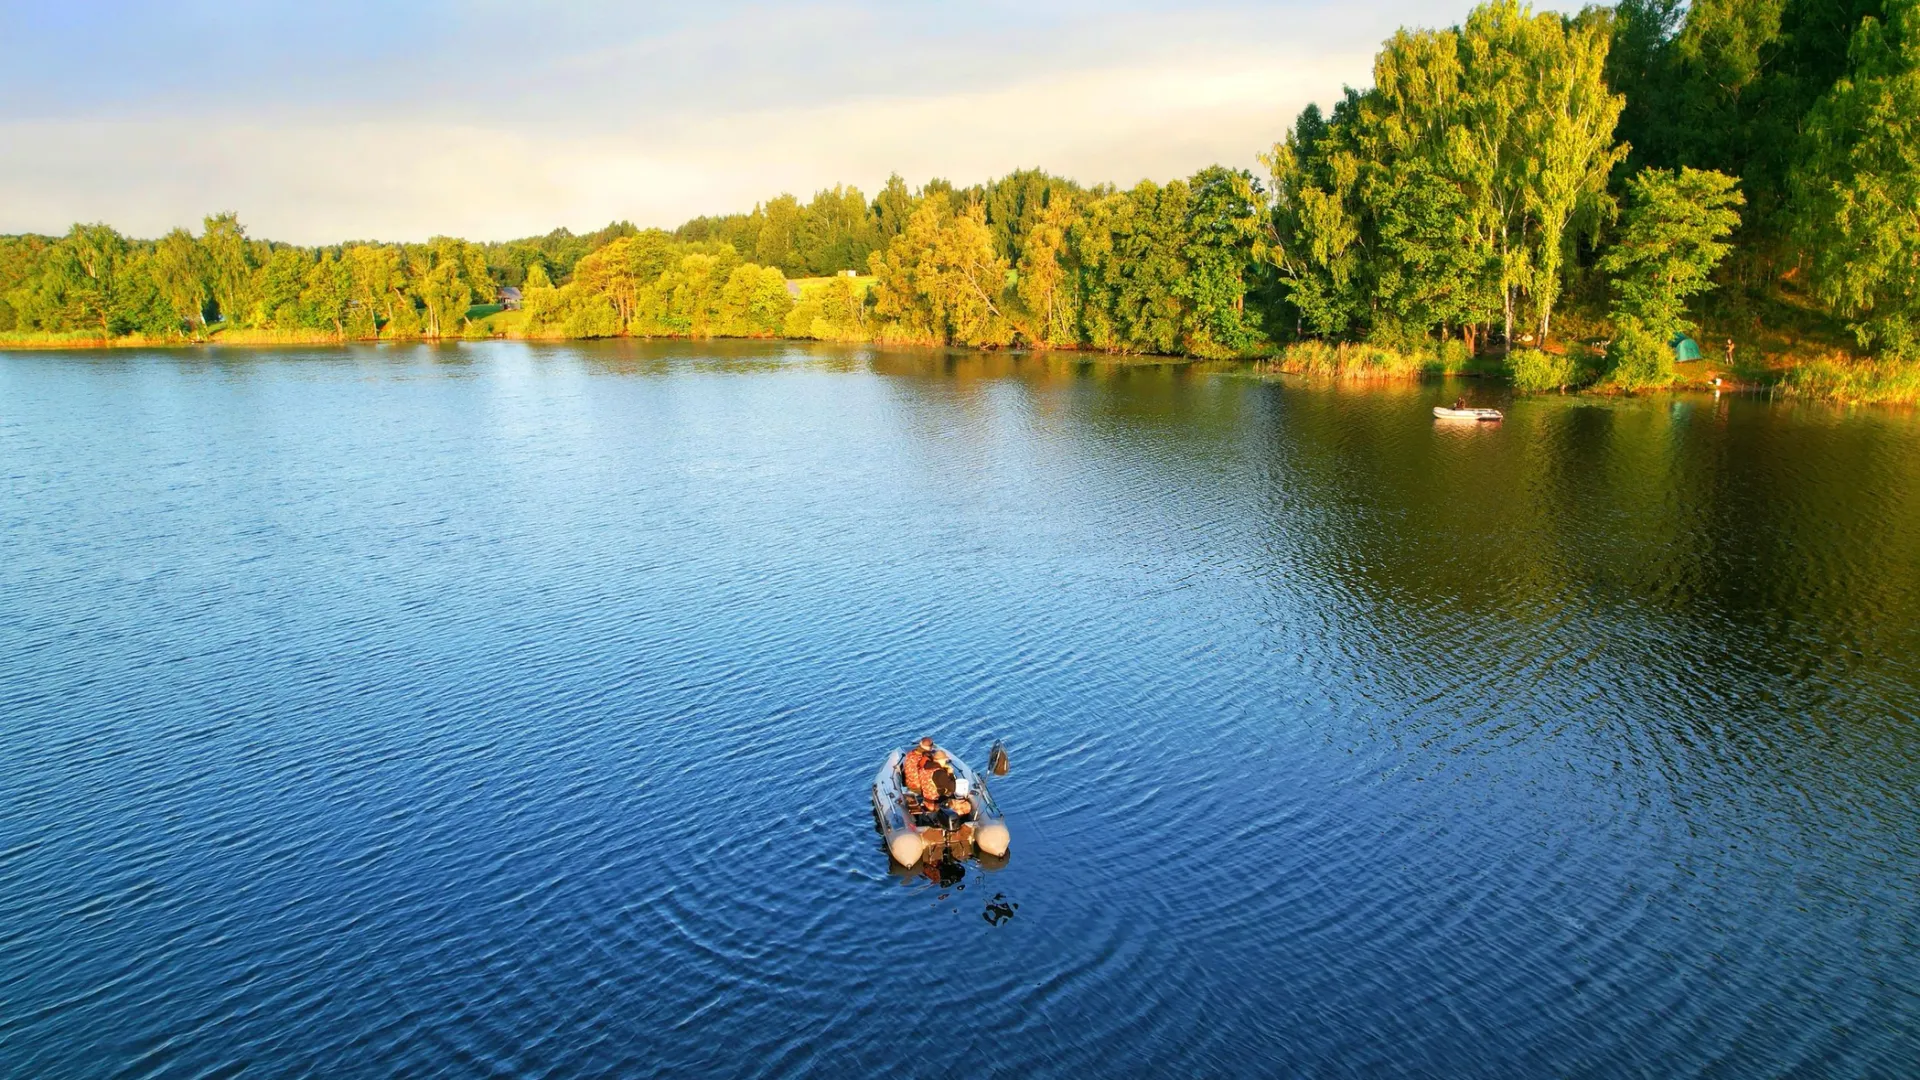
(230, 264)
(1044, 289)
(543, 303)
(447, 275)
(1723, 48)
(1857, 191)
(1674, 236)
(180, 270)
(1434, 272)
(139, 304)
(1129, 254)
(891, 209)
(80, 285)
(1536, 144)
(1438, 175)
(832, 311)
(1643, 68)
(282, 280)
(1151, 311)
(1016, 203)
(1464, 176)
(381, 300)
(327, 293)
(1571, 117)
(754, 302)
(834, 232)
(591, 315)
(22, 259)
(616, 273)
(778, 233)
(941, 280)
(694, 293)
(1318, 244)
(739, 231)
(1225, 239)
(1728, 85)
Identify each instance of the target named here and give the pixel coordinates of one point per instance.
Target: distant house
(510, 298)
(793, 289)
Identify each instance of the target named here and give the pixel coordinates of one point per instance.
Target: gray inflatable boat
(910, 840)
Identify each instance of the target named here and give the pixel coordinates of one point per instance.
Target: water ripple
(508, 709)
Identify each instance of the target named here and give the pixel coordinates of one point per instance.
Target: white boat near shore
(1441, 412)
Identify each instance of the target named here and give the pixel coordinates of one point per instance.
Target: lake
(505, 709)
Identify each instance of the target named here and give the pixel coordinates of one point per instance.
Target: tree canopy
(1857, 188)
(1473, 192)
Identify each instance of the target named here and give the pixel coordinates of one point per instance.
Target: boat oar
(997, 758)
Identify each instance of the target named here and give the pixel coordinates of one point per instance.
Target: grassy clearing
(861, 283)
(502, 323)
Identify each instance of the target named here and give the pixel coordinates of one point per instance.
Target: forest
(1555, 196)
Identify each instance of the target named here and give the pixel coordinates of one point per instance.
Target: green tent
(1685, 349)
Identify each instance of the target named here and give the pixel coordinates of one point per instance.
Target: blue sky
(490, 120)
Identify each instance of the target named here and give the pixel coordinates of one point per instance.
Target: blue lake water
(496, 709)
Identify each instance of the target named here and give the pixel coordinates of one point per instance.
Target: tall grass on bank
(84, 339)
(1364, 362)
(1856, 382)
(237, 336)
(498, 325)
(75, 339)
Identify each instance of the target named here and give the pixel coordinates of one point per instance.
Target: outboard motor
(997, 758)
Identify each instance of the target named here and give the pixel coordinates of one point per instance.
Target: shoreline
(1826, 380)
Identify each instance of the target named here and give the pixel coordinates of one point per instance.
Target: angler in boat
(929, 803)
(1460, 411)
(916, 769)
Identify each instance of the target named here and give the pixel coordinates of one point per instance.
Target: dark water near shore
(504, 710)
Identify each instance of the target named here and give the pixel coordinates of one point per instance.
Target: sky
(390, 121)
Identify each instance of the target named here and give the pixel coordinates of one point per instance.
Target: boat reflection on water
(946, 870)
(947, 865)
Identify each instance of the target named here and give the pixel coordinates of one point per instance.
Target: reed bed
(1366, 362)
(1854, 382)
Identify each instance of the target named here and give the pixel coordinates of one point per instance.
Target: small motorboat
(911, 836)
(1442, 412)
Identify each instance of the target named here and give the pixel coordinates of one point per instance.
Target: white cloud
(306, 177)
(656, 129)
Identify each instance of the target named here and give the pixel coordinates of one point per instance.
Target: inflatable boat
(911, 837)
(1441, 412)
